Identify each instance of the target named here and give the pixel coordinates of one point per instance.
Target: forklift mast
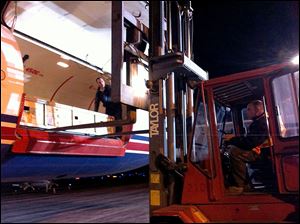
(172, 73)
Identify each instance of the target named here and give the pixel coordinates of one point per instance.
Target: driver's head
(255, 108)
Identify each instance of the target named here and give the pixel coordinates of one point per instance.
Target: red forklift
(189, 118)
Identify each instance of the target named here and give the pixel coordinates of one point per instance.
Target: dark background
(235, 36)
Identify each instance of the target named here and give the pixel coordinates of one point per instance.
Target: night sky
(236, 36)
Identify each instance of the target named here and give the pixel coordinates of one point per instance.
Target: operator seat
(260, 172)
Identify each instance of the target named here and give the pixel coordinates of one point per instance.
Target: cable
(15, 18)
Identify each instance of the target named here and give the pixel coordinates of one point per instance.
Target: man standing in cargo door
(103, 94)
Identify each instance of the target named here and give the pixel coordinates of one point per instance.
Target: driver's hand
(227, 137)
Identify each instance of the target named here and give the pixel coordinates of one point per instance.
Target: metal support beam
(131, 119)
(187, 12)
(158, 195)
(171, 113)
(117, 50)
(170, 88)
(166, 70)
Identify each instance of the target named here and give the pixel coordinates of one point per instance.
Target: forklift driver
(245, 149)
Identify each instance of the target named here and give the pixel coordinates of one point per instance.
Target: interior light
(62, 64)
(65, 57)
(295, 60)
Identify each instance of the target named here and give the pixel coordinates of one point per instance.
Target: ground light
(295, 60)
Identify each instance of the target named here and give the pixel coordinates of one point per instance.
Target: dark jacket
(257, 134)
(112, 109)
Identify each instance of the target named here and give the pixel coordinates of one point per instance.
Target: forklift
(190, 116)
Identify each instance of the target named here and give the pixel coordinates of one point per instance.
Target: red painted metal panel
(34, 141)
(195, 189)
(235, 212)
(290, 166)
(254, 212)
(186, 213)
(8, 133)
(255, 73)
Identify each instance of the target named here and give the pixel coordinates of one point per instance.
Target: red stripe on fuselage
(8, 133)
(137, 146)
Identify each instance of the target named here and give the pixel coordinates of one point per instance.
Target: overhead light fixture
(62, 64)
(295, 60)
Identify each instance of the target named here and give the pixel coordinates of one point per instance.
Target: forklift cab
(219, 112)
